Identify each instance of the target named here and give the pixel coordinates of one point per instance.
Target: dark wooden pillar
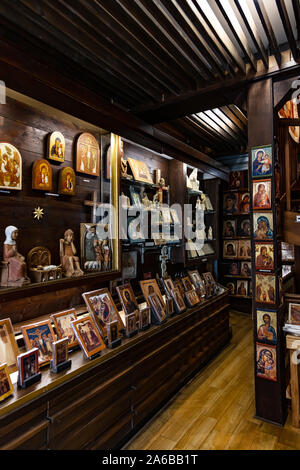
(269, 383)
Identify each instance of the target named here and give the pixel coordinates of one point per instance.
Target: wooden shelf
(237, 276)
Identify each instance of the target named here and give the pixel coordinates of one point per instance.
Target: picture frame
(60, 352)
(67, 181)
(261, 193)
(40, 335)
(244, 202)
(157, 309)
(230, 249)
(6, 386)
(140, 171)
(294, 313)
(178, 301)
(231, 286)
(178, 285)
(236, 179)
(128, 299)
(230, 203)
(56, 147)
(88, 336)
(150, 286)
(129, 264)
(102, 308)
(208, 278)
(168, 285)
(244, 249)
(266, 361)
(9, 350)
(169, 306)
(144, 318)
(10, 156)
(42, 175)
(262, 161)
(28, 367)
(233, 268)
(197, 281)
(192, 298)
(243, 227)
(87, 155)
(187, 284)
(62, 323)
(264, 256)
(112, 332)
(246, 269)
(241, 288)
(265, 289)
(266, 326)
(130, 325)
(263, 227)
(229, 228)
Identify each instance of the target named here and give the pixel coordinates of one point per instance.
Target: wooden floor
(215, 410)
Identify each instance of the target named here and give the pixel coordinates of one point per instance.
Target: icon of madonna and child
(262, 161)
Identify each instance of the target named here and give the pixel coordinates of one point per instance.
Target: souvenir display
(266, 362)
(56, 147)
(28, 368)
(208, 278)
(263, 225)
(62, 322)
(265, 291)
(246, 269)
(232, 269)
(208, 249)
(6, 387)
(169, 306)
(294, 314)
(168, 285)
(261, 158)
(14, 271)
(140, 171)
(67, 181)
(96, 250)
(157, 309)
(261, 194)
(266, 325)
(230, 203)
(197, 281)
(88, 336)
(243, 227)
(229, 228)
(244, 249)
(135, 197)
(128, 300)
(192, 181)
(187, 283)
(244, 202)
(150, 287)
(230, 249)
(146, 203)
(192, 298)
(69, 261)
(8, 346)
(178, 285)
(112, 333)
(236, 179)
(40, 268)
(102, 307)
(241, 287)
(42, 175)
(144, 318)
(10, 167)
(87, 155)
(60, 355)
(264, 256)
(130, 325)
(231, 286)
(178, 301)
(40, 335)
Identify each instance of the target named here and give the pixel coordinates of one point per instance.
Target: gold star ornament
(38, 213)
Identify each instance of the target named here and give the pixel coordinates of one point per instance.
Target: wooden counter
(100, 404)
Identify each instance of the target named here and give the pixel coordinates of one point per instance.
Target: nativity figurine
(68, 259)
(14, 271)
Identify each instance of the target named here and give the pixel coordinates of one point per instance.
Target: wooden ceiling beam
(262, 13)
(296, 8)
(208, 133)
(287, 28)
(233, 117)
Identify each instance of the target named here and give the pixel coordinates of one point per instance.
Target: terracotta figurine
(67, 251)
(17, 269)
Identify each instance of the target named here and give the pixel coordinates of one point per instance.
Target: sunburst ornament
(38, 213)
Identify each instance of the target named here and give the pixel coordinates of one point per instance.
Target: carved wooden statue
(69, 261)
(14, 271)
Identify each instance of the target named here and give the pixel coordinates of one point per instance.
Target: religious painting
(150, 286)
(208, 278)
(88, 336)
(87, 155)
(266, 361)
(262, 161)
(96, 248)
(232, 269)
(59, 352)
(67, 181)
(8, 346)
(266, 326)
(263, 226)
(229, 228)
(112, 332)
(169, 306)
(192, 298)
(230, 203)
(28, 365)
(140, 171)
(56, 147)
(168, 285)
(294, 314)
(290, 111)
(246, 269)
(102, 307)
(144, 318)
(186, 283)
(62, 322)
(264, 256)
(241, 288)
(244, 202)
(230, 249)
(231, 286)
(244, 249)
(178, 301)
(178, 285)
(129, 264)
(6, 387)
(236, 179)
(262, 194)
(265, 290)
(243, 227)
(157, 309)
(128, 300)
(10, 167)
(40, 335)
(42, 175)
(130, 324)
(197, 281)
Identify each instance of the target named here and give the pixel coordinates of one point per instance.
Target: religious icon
(102, 307)
(294, 314)
(231, 287)
(244, 202)
(241, 288)
(130, 324)
(266, 361)
(88, 155)
(112, 332)
(262, 194)
(186, 283)
(246, 269)
(129, 264)
(14, 272)
(96, 248)
(8, 346)
(230, 203)
(128, 300)
(168, 285)
(140, 171)
(40, 335)
(178, 301)
(197, 282)
(59, 352)
(67, 252)
(169, 306)
(144, 318)
(266, 324)
(264, 256)
(192, 298)
(243, 227)
(150, 286)
(135, 230)
(236, 179)
(67, 181)
(244, 249)
(42, 175)
(6, 386)
(56, 147)
(233, 269)
(135, 197)
(263, 225)
(62, 322)
(157, 308)
(230, 249)
(265, 290)
(229, 228)
(88, 336)
(28, 365)
(10, 167)
(290, 111)
(261, 161)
